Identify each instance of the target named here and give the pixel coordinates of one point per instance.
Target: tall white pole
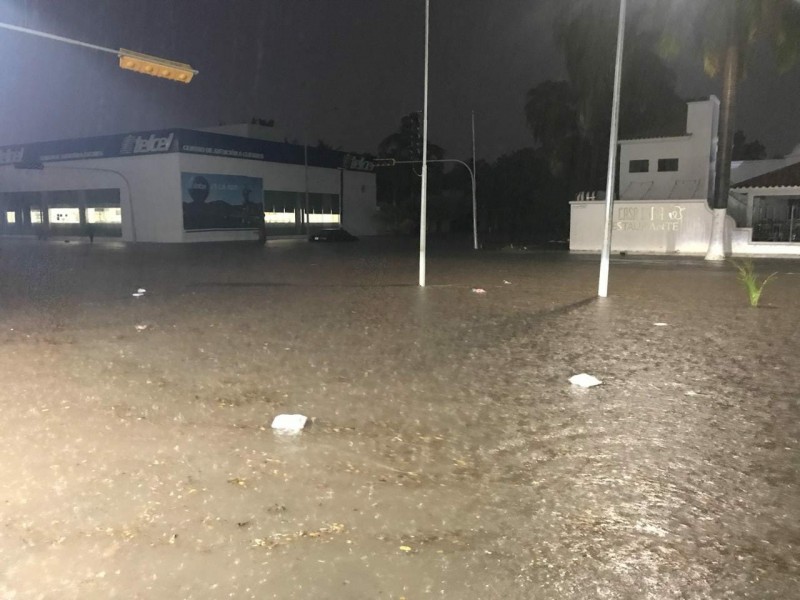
(305, 164)
(474, 185)
(423, 208)
(602, 288)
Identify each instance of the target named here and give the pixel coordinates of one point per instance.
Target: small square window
(639, 166)
(667, 164)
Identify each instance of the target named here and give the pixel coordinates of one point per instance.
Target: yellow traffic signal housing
(155, 66)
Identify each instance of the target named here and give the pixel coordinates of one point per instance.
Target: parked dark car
(332, 235)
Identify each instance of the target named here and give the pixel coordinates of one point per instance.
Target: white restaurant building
(664, 189)
(183, 185)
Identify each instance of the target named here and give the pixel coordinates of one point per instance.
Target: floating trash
(478, 291)
(584, 380)
(660, 324)
(290, 424)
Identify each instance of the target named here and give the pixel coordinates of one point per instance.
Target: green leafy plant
(749, 279)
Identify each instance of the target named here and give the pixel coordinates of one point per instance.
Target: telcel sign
(136, 144)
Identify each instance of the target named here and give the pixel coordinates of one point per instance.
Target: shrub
(749, 279)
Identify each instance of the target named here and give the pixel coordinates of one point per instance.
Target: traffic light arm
(134, 61)
(390, 162)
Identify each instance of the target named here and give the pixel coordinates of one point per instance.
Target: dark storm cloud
(340, 70)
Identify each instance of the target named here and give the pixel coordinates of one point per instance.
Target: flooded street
(448, 455)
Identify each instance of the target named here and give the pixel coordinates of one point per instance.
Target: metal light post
(602, 288)
(423, 208)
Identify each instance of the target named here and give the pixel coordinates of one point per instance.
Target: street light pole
(423, 208)
(602, 288)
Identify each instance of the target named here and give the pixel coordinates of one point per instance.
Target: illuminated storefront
(182, 185)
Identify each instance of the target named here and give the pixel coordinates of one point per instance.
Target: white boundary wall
(646, 226)
(663, 227)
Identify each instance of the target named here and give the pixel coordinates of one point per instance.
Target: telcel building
(182, 185)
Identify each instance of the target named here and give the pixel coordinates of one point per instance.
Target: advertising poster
(221, 201)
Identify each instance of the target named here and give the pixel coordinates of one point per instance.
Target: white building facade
(181, 185)
(664, 189)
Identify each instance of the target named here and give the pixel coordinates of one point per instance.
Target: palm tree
(728, 31)
(551, 112)
(571, 120)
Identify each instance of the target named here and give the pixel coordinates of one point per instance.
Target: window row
(665, 165)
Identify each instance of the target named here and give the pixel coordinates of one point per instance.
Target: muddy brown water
(447, 457)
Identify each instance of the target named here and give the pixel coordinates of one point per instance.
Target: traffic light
(155, 66)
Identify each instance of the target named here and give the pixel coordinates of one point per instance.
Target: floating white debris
(141, 291)
(506, 282)
(141, 327)
(137, 294)
(691, 393)
(478, 291)
(660, 324)
(584, 380)
(289, 423)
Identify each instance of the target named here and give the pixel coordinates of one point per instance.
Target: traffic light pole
(390, 162)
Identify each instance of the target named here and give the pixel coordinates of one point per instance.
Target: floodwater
(448, 455)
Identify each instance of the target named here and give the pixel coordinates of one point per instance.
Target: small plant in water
(749, 279)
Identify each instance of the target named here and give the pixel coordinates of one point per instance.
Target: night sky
(344, 71)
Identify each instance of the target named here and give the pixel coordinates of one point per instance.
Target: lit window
(64, 216)
(11, 217)
(104, 215)
(323, 219)
(279, 217)
(36, 215)
(667, 164)
(639, 166)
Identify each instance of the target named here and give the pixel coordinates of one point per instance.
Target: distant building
(664, 189)
(182, 185)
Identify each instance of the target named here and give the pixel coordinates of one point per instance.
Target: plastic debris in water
(478, 291)
(660, 324)
(506, 282)
(290, 424)
(141, 327)
(584, 380)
